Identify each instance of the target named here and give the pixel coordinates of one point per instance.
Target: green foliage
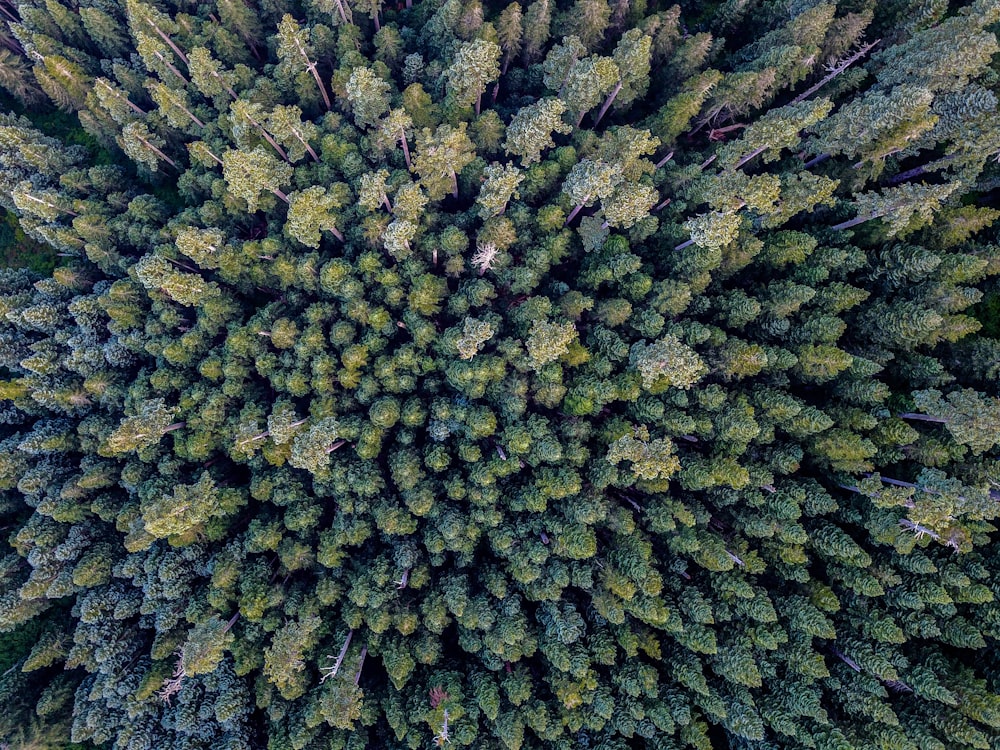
(499, 375)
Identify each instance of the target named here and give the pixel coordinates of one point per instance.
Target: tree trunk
(575, 211)
(854, 222)
(748, 157)
(479, 101)
(816, 160)
(336, 233)
(159, 153)
(684, 244)
(921, 417)
(608, 102)
(169, 41)
(309, 148)
(174, 426)
(454, 184)
(406, 148)
(837, 70)
(170, 65)
(280, 194)
(664, 160)
(664, 204)
(194, 119)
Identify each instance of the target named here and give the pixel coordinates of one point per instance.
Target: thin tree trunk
(454, 184)
(664, 204)
(50, 205)
(816, 160)
(836, 71)
(664, 160)
(336, 233)
(854, 222)
(406, 148)
(608, 102)
(170, 65)
(684, 244)
(194, 119)
(159, 153)
(378, 26)
(174, 426)
(921, 417)
(496, 91)
(309, 148)
(225, 85)
(361, 665)
(479, 101)
(169, 41)
(311, 67)
(748, 157)
(340, 656)
(280, 194)
(575, 211)
(232, 621)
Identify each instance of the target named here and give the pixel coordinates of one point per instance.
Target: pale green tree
(530, 131)
(500, 183)
(474, 67)
(440, 156)
(310, 212)
(250, 173)
(368, 95)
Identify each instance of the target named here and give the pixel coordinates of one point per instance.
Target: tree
(587, 82)
(510, 33)
(368, 95)
(249, 173)
(294, 51)
(475, 66)
(590, 180)
(969, 416)
(153, 420)
(310, 211)
(143, 147)
(396, 127)
(288, 128)
(499, 185)
(632, 57)
(530, 131)
(440, 156)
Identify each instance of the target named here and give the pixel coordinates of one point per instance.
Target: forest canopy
(567, 374)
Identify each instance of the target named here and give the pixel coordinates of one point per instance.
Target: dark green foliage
(500, 375)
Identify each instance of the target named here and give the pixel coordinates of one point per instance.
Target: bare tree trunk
(280, 194)
(684, 244)
(854, 222)
(608, 102)
(664, 160)
(159, 153)
(406, 148)
(921, 417)
(168, 40)
(816, 160)
(575, 211)
(836, 71)
(748, 157)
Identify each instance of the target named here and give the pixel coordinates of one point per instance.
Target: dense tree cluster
(575, 374)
